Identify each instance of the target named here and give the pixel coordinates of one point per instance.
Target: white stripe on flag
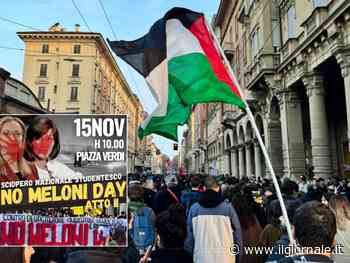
(180, 41)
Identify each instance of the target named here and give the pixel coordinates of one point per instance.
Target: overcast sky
(130, 20)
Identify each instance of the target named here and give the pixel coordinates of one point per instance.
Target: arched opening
(228, 154)
(250, 165)
(234, 153)
(259, 158)
(241, 153)
(249, 132)
(260, 125)
(275, 137)
(241, 135)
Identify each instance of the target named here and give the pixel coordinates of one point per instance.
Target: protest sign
(56, 164)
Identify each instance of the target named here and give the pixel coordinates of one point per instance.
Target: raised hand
(11, 148)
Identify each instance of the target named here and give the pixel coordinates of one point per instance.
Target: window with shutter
(43, 70)
(74, 94)
(45, 48)
(76, 49)
(75, 71)
(276, 33)
(291, 18)
(41, 93)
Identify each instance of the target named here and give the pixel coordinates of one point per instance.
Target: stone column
(234, 162)
(241, 162)
(258, 159)
(248, 156)
(344, 62)
(292, 133)
(321, 160)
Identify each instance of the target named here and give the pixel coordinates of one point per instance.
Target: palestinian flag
(182, 66)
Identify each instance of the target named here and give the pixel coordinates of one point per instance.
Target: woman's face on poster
(11, 141)
(43, 146)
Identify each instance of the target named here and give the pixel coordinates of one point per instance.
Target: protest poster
(63, 167)
(32, 230)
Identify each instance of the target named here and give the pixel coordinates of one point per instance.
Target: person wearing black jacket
(169, 194)
(171, 232)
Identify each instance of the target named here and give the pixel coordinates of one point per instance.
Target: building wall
(59, 73)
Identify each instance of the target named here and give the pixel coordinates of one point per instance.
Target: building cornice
(101, 43)
(58, 35)
(318, 32)
(219, 17)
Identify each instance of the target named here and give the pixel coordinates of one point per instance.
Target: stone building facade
(292, 59)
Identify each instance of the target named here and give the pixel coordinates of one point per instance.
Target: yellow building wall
(59, 73)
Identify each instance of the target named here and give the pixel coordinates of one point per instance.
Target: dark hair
(171, 226)
(244, 206)
(288, 187)
(195, 181)
(37, 128)
(315, 225)
(135, 192)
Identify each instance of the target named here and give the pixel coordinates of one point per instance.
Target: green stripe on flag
(177, 114)
(195, 81)
(191, 81)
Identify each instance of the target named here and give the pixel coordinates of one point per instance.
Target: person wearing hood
(213, 228)
(169, 194)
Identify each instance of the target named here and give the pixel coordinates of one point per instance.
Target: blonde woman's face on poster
(11, 140)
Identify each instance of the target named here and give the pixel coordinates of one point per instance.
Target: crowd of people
(196, 219)
(224, 222)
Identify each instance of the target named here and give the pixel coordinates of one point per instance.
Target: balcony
(43, 80)
(317, 17)
(264, 63)
(74, 80)
(288, 47)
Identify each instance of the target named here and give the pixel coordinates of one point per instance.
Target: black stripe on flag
(186, 16)
(147, 52)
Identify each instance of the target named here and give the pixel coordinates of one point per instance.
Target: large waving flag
(182, 66)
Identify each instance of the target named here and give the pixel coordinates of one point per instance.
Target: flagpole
(258, 136)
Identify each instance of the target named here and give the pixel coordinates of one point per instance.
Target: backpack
(142, 231)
